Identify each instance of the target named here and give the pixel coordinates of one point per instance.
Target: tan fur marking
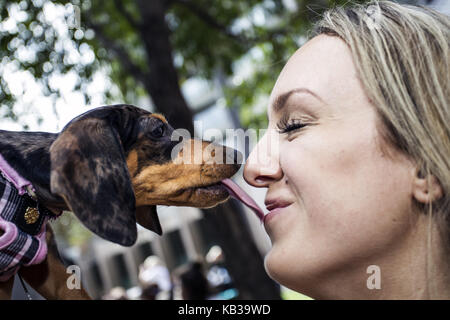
(159, 116)
(132, 162)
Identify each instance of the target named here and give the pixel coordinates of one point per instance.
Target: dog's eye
(158, 132)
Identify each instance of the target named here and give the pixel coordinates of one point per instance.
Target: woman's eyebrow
(281, 100)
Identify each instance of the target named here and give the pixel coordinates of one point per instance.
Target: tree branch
(120, 7)
(211, 21)
(162, 83)
(118, 51)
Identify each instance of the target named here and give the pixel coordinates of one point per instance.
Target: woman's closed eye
(286, 125)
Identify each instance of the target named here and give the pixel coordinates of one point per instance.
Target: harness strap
(15, 178)
(22, 218)
(25, 289)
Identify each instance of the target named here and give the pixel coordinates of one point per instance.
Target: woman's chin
(279, 266)
(279, 269)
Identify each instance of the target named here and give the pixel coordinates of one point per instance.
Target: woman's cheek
(302, 163)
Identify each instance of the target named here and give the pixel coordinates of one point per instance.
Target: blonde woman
(358, 186)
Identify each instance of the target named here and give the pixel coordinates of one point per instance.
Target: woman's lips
(274, 207)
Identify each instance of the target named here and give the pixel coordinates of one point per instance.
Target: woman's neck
(414, 268)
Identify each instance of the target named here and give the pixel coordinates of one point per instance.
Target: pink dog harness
(22, 222)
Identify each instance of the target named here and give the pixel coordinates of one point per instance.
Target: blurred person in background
(217, 275)
(116, 293)
(149, 291)
(155, 280)
(192, 281)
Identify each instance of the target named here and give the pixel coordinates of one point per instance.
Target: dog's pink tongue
(236, 192)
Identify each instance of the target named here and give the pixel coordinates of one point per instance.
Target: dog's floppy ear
(148, 218)
(88, 169)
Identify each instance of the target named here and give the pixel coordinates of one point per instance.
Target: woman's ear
(426, 188)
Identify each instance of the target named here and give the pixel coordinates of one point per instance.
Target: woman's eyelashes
(286, 125)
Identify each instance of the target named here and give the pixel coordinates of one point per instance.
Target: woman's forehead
(324, 67)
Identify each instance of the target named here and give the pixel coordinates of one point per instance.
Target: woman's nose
(263, 166)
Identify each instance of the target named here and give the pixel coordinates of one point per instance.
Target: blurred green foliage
(208, 37)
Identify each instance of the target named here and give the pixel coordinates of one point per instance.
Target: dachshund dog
(110, 166)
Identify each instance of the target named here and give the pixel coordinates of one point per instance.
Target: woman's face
(343, 204)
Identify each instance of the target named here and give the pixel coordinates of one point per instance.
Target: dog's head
(114, 164)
